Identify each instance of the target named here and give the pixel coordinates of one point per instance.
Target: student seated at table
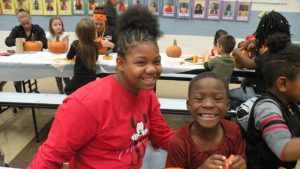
(104, 32)
(218, 34)
(57, 34)
(27, 31)
(222, 64)
(107, 123)
(273, 133)
(85, 52)
(210, 139)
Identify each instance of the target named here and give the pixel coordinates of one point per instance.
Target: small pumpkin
(32, 46)
(174, 50)
(102, 50)
(57, 47)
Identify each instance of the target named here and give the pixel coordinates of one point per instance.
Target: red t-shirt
(102, 125)
(184, 153)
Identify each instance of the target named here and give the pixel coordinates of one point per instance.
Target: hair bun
(138, 18)
(277, 42)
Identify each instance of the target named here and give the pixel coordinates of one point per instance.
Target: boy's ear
(228, 104)
(281, 83)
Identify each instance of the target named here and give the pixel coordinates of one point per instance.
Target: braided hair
(136, 25)
(271, 23)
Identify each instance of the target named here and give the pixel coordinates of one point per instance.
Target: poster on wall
(122, 6)
(78, 7)
(8, 7)
(168, 8)
(21, 4)
(183, 9)
(214, 9)
(243, 10)
(199, 9)
(153, 6)
(50, 7)
(91, 6)
(36, 7)
(228, 10)
(64, 7)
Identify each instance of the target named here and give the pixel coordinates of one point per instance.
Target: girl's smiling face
(208, 102)
(140, 68)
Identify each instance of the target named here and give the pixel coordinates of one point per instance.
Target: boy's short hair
(283, 59)
(208, 75)
(227, 42)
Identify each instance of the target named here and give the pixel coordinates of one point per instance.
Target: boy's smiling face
(208, 102)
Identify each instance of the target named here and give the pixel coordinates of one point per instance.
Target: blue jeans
(154, 158)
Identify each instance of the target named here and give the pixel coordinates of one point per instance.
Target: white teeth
(149, 78)
(207, 115)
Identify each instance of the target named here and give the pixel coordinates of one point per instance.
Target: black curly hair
(136, 25)
(282, 59)
(272, 22)
(204, 75)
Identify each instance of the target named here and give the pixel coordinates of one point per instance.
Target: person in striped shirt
(273, 133)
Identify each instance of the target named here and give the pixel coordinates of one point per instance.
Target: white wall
(291, 6)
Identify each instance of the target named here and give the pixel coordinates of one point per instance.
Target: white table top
(45, 64)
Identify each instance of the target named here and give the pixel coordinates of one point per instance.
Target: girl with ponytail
(109, 122)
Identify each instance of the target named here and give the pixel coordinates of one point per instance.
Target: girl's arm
(72, 52)
(246, 62)
(160, 132)
(73, 128)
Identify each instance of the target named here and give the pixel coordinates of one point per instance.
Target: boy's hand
(213, 162)
(237, 162)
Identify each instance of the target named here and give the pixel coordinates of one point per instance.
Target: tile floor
(16, 130)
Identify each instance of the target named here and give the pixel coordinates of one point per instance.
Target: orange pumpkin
(174, 50)
(57, 47)
(32, 46)
(102, 50)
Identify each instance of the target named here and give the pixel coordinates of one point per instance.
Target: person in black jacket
(27, 31)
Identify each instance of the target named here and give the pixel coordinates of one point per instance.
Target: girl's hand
(237, 162)
(213, 162)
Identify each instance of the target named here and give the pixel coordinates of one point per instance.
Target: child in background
(224, 64)
(27, 31)
(273, 133)
(209, 140)
(108, 123)
(106, 34)
(85, 51)
(57, 33)
(218, 34)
